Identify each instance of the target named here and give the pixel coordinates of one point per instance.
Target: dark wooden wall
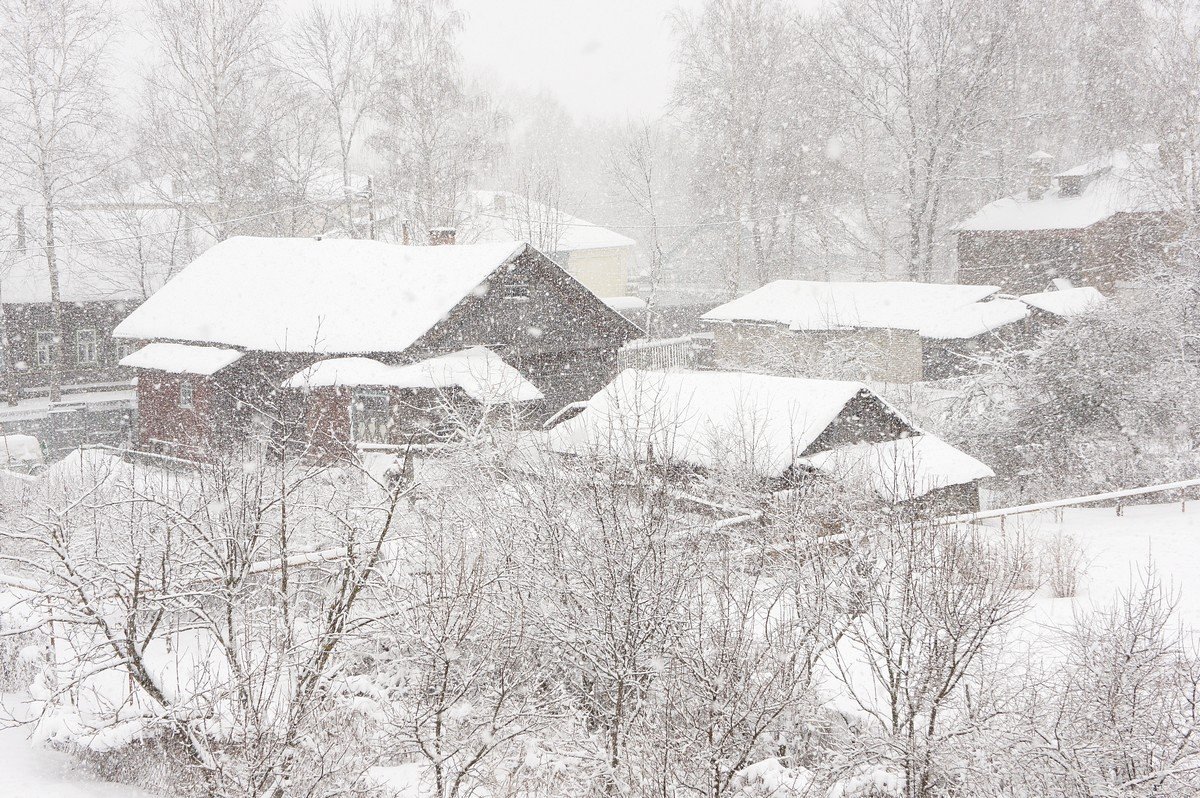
(24, 321)
(864, 419)
(1121, 247)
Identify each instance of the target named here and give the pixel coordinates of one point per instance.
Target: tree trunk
(56, 353)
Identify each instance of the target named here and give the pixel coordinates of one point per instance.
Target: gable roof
(1066, 302)
(182, 358)
(1118, 184)
(758, 422)
(900, 470)
(478, 372)
(502, 216)
(810, 305)
(330, 296)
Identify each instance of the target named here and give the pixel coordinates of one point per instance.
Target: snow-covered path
(31, 771)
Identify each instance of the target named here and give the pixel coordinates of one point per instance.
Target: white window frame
(43, 341)
(187, 395)
(122, 350)
(87, 353)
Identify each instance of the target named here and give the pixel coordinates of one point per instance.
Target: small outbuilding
(897, 332)
(777, 429)
(354, 400)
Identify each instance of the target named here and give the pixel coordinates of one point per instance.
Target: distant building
(886, 332)
(781, 430)
(1098, 224)
(109, 258)
(602, 259)
(238, 337)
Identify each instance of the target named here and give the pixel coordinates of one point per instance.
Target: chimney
(1040, 170)
(441, 235)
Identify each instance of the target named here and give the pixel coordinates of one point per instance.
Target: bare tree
(1126, 706)
(55, 102)
(739, 67)
(337, 54)
(922, 78)
(436, 131)
(210, 106)
(636, 164)
(209, 609)
(935, 601)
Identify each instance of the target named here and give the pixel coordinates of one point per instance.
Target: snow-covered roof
(809, 305)
(1120, 185)
(756, 422)
(330, 296)
(1066, 302)
(901, 469)
(182, 358)
(102, 253)
(625, 304)
(501, 216)
(975, 319)
(479, 372)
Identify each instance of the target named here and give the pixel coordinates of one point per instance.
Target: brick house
(898, 332)
(1098, 224)
(251, 314)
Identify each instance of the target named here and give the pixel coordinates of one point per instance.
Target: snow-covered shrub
(1063, 563)
(204, 610)
(1105, 401)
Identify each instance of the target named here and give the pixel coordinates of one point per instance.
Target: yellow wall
(603, 271)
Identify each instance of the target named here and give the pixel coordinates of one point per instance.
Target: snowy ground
(1117, 551)
(26, 770)
(1118, 548)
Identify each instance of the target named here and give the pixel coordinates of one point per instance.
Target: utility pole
(371, 207)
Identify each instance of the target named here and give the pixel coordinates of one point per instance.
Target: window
(85, 347)
(45, 348)
(518, 292)
(123, 349)
(187, 395)
(371, 417)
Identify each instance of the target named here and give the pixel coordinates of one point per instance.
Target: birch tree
(337, 55)
(437, 132)
(210, 106)
(52, 60)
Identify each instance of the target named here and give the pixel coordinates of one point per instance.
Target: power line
(593, 225)
(503, 217)
(135, 237)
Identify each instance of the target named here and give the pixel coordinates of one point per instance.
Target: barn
(229, 343)
(777, 429)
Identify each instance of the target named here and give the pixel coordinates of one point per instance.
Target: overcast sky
(608, 58)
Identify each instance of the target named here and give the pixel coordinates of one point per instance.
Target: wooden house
(1098, 224)
(247, 318)
(108, 259)
(781, 430)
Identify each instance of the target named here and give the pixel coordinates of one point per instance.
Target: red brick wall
(162, 423)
